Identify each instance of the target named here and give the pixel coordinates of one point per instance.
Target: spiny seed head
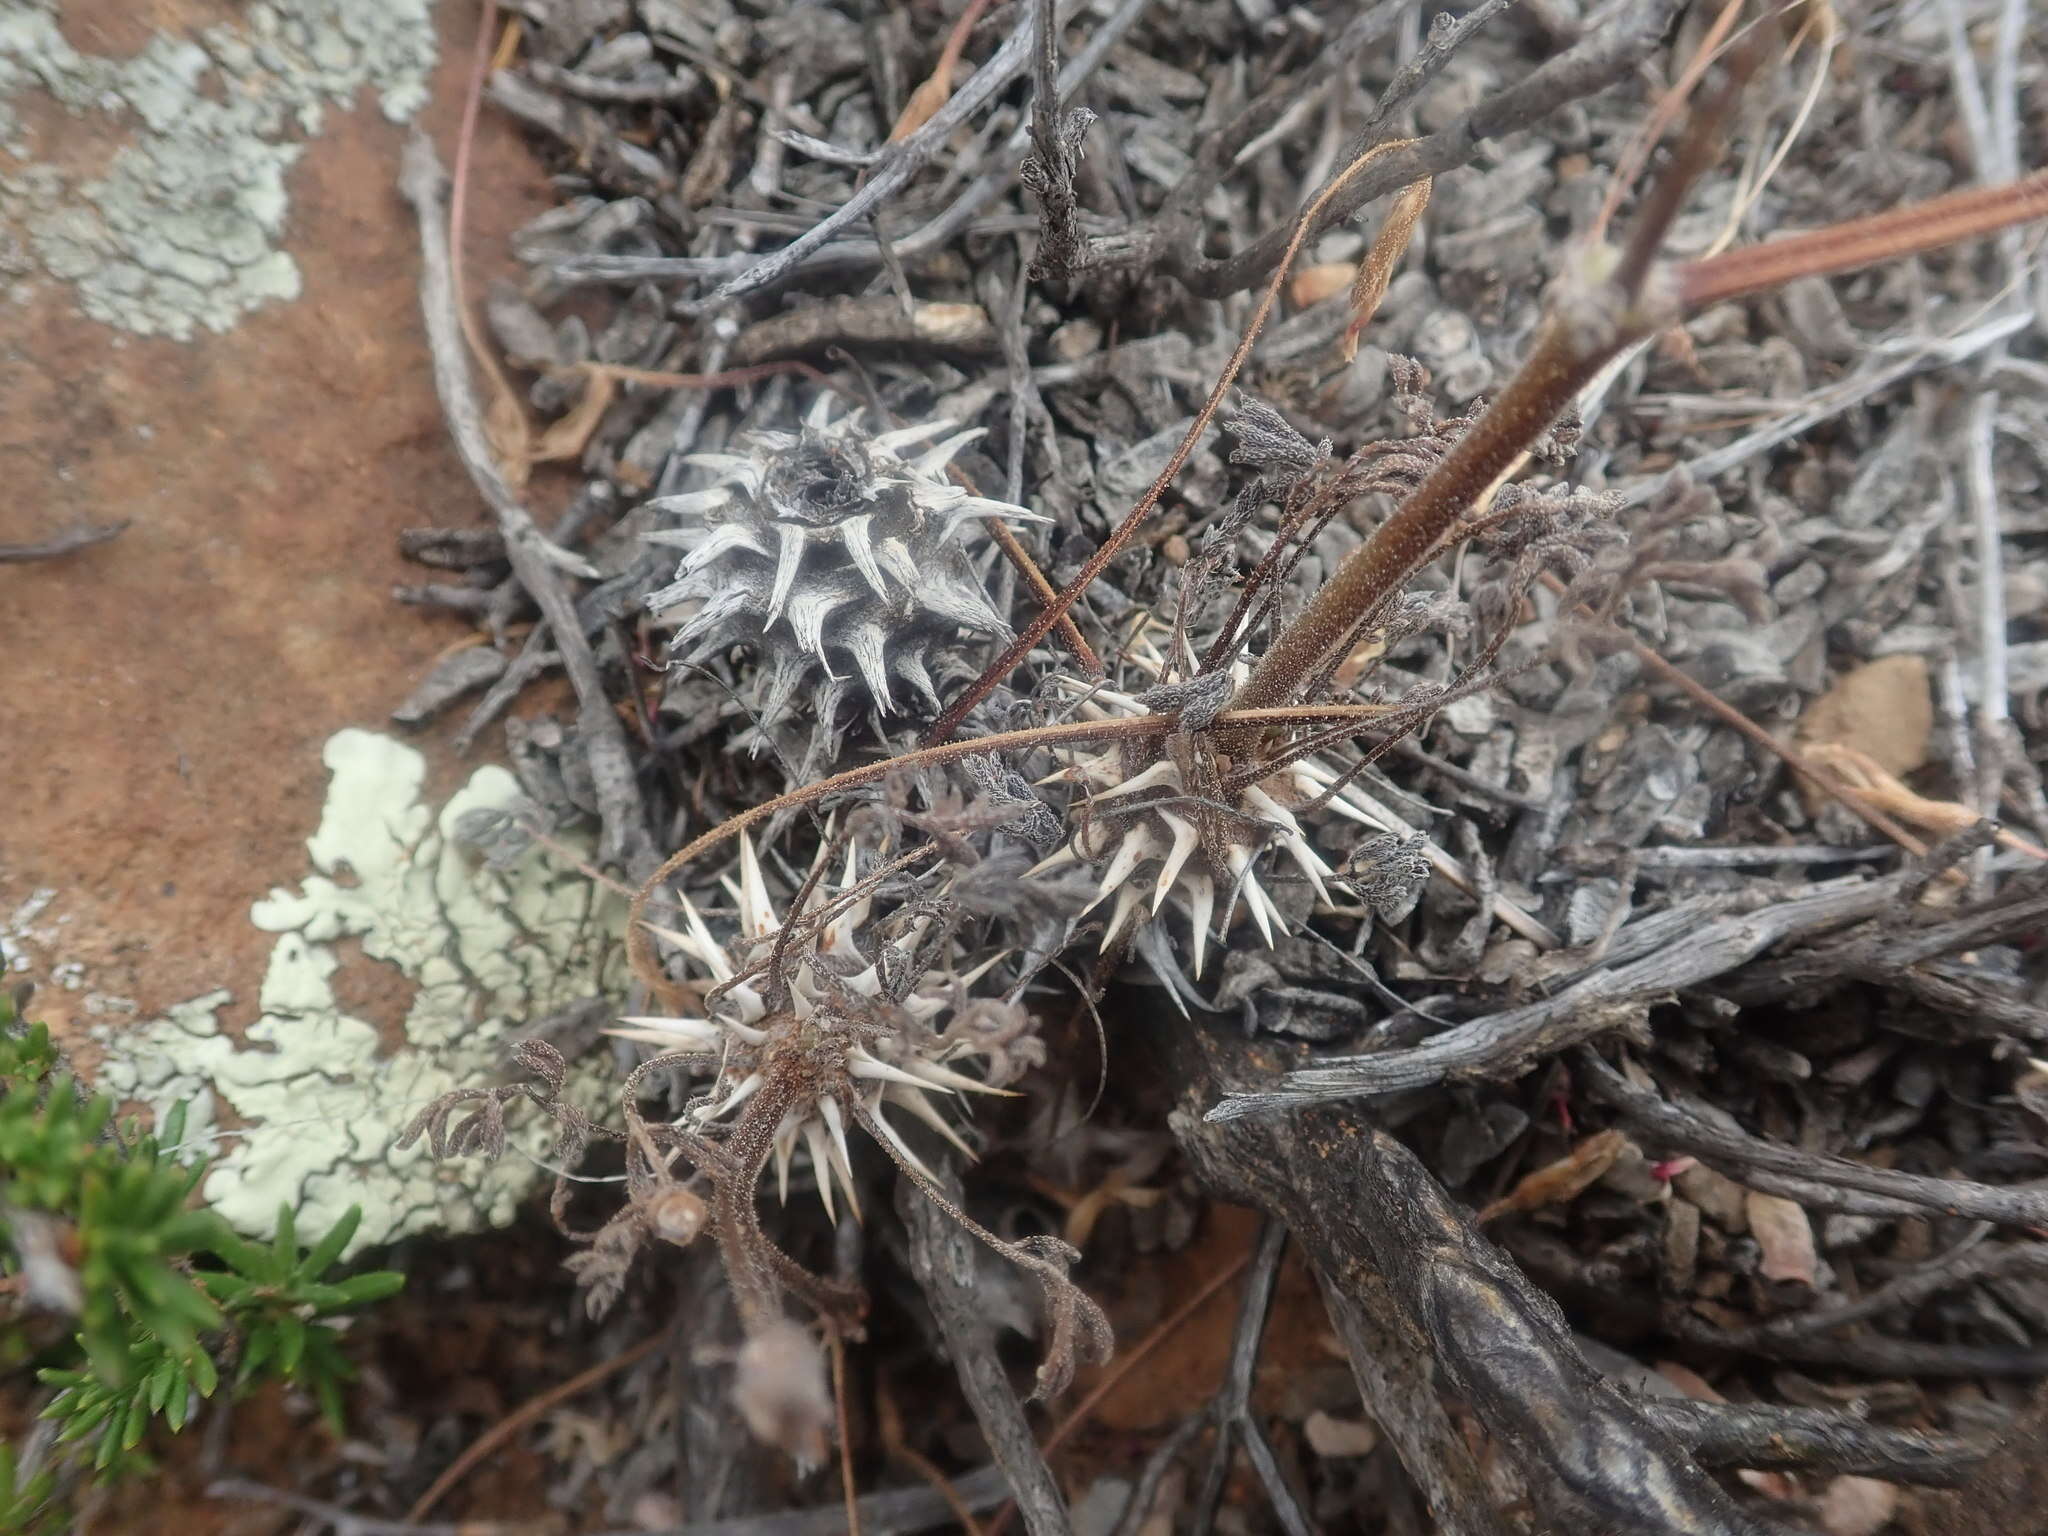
(843, 561)
(1145, 828)
(850, 1026)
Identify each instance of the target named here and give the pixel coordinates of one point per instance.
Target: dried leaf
(924, 101)
(567, 436)
(1784, 1234)
(1857, 1506)
(507, 430)
(1883, 709)
(710, 164)
(1555, 1183)
(1331, 1437)
(1719, 1197)
(1772, 1485)
(1312, 285)
(938, 86)
(1862, 773)
(1377, 270)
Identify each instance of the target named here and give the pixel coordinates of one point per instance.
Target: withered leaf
(1784, 1234)
(1564, 1180)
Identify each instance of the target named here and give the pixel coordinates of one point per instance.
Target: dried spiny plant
(829, 1013)
(808, 1024)
(841, 560)
(860, 1029)
(1186, 816)
(1221, 730)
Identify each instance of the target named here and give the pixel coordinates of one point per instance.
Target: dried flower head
(836, 1031)
(842, 560)
(816, 1021)
(1162, 825)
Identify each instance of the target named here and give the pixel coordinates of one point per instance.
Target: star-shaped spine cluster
(1144, 828)
(851, 1027)
(836, 557)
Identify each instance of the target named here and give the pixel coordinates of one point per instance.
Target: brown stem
(1884, 236)
(1566, 358)
(1052, 613)
(1026, 567)
(748, 1256)
(524, 1415)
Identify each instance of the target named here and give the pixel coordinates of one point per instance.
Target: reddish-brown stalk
(1568, 354)
(1040, 627)
(1948, 220)
(640, 947)
(1607, 303)
(1594, 319)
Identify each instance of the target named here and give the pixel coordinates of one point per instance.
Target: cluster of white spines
(1170, 837)
(1167, 833)
(885, 1068)
(895, 581)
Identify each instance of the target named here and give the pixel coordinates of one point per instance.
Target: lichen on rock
(318, 1096)
(181, 225)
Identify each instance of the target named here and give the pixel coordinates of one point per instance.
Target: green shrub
(95, 1218)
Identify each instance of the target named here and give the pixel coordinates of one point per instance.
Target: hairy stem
(1568, 354)
(1053, 612)
(1927, 226)
(1593, 318)
(640, 947)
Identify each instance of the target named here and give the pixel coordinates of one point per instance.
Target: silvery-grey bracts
(836, 558)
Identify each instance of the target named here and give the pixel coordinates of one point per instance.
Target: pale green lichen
(182, 228)
(317, 1097)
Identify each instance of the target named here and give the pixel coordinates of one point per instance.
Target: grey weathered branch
(538, 563)
(1504, 1045)
(1776, 1439)
(1424, 1300)
(1836, 1183)
(1232, 1411)
(1889, 950)
(944, 1259)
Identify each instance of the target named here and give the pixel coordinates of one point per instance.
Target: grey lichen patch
(181, 228)
(318, 1100)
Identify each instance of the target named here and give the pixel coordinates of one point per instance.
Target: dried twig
(1128, 1361)
(1232, 1413)
(1811, 1440)
(1604, 56)
(1398, 1256)
(944, 1262)
(891, 169)
(957, 712)
(1049, 172)
(1504, 1045)
(63, 544)
(1967, 1263)
(537, 562)
(892, 1512)
(1836, 1183)
(1950, 220)
(525, 1414)
(347, 1523)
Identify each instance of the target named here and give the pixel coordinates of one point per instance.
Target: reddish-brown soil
(166, 695)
